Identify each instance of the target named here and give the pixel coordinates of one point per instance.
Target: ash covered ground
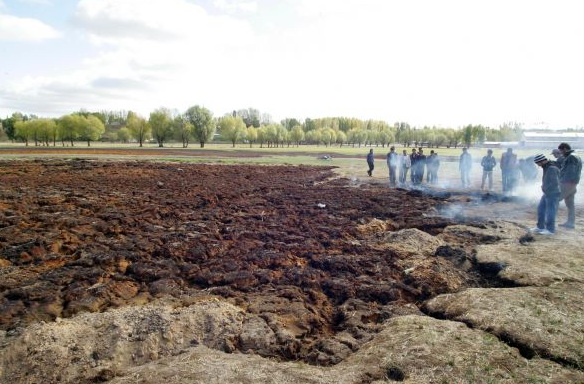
(84, 236)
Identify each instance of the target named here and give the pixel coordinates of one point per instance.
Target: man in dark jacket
(370, 162)
(508, 164)
(414, 163)
(488, 163)
(548, 205)
(571, 167)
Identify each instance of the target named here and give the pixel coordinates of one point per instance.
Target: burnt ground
(79, 236)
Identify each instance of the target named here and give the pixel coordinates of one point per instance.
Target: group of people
(559, 182)
(511, 170)
(560, 176)
(416, 164)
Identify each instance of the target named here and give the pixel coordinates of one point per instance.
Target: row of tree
(245, 125)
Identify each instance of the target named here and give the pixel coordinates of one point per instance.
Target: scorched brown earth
(105, 266)
(84, 236)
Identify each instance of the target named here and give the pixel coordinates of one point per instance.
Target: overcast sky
(446, 63)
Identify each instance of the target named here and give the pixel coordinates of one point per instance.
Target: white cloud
(452, 62)
(14, 28)
(39, 2)
(152, 53)
(236, 5)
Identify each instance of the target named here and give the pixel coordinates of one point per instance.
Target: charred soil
(295, 246)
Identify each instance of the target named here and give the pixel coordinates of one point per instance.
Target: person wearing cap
(548, 204)
(570, 170)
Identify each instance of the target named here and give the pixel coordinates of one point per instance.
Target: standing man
(464, 166)
(370, 162)
(570, 177)
(548, 205)
(488, 163)
(404, 165)
(432, 165)
(421, 164)
(392, 164)
(507, 164)
(413, 162)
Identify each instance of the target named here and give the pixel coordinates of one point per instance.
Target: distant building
(551, 139)
(500, 144)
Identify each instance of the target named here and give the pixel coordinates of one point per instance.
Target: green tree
(69, 127)
(203, 124)
(281, 134)
(90, 128)
(22, 131)
(372, 137)
(124, 135)
(183, 130)
(160, 123)
(439, 139)
(290, 123)
(328, 136)
(251, 135)
(271, 134)
(262, 135)
(313, 136)
(341, 138)
(232, 128)
(468, 135)
(9, 125)
(139, 128)
(297, 134)
(386, 137)
(45, 130)
(251, 117)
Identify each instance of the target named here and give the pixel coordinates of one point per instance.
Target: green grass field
(283, 153)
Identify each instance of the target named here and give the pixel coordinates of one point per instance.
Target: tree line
(197, 124)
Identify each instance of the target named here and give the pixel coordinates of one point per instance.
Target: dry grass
(546, 321)
(426, 350)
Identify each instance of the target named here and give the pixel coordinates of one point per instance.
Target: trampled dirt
(295, 245)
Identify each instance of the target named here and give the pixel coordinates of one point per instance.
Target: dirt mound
(413, 240)
(166, 342)
(540, 321)
(115, 340)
